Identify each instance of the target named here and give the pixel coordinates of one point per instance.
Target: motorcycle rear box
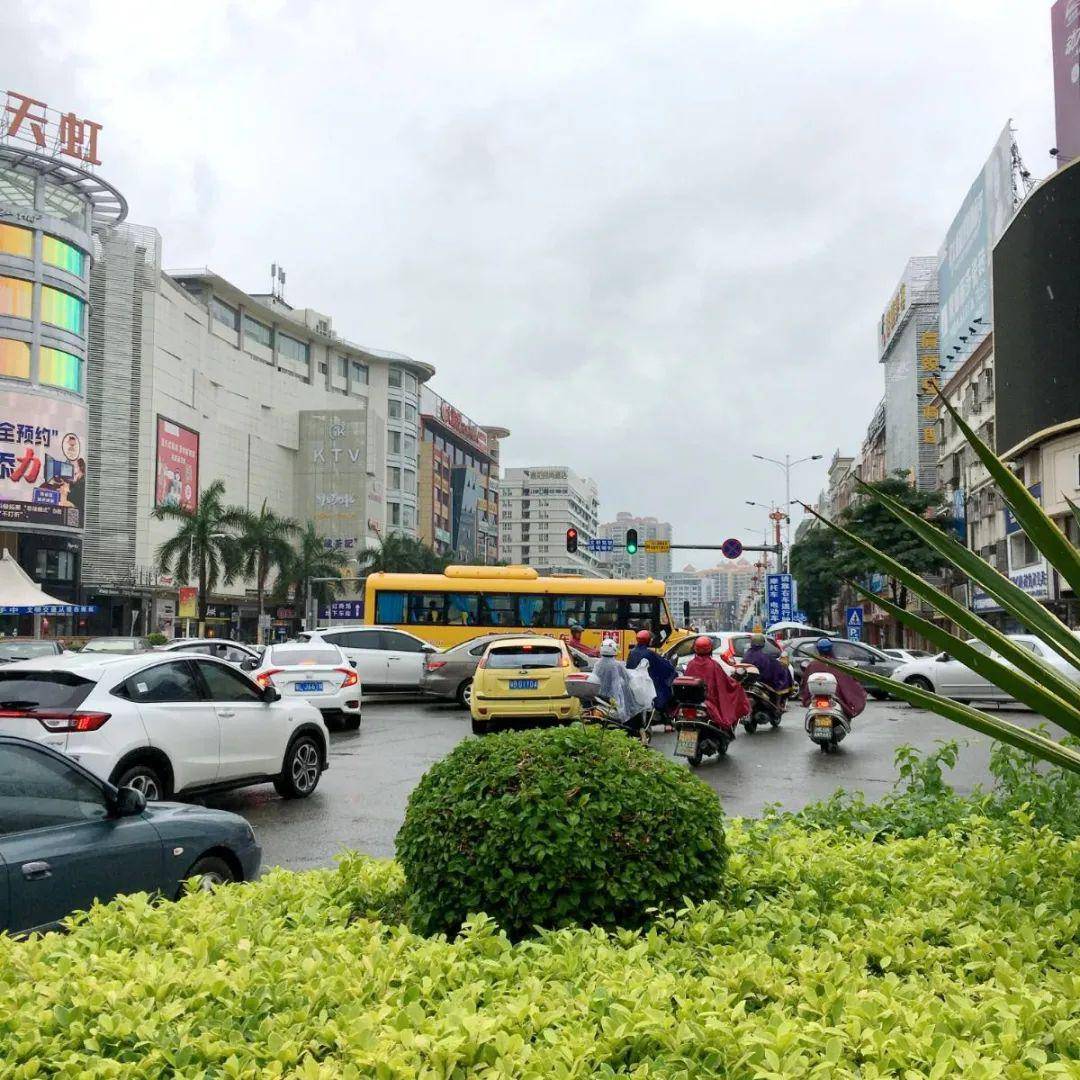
(688, 691)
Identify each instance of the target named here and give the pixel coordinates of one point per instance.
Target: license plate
(524, 684)
(686, 742)
(309, 687)
(824, 730)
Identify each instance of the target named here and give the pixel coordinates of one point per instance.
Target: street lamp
(787, 465)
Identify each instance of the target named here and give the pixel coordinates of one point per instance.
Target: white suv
(386, 659)
(166, 725)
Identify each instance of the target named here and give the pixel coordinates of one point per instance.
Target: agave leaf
(1041, 531)
(1013, 599)
(1075, 509)
(1023, 689)
(994, 726)
(1026, 661)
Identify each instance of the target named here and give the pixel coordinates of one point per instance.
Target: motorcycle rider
(849, 691)
(661, 670)
(770, 671)
(614, 682)
(575, 642)
(725, 699)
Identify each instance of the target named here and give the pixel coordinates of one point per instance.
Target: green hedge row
(831, 955)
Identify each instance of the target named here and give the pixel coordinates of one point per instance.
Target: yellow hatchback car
(523, 678)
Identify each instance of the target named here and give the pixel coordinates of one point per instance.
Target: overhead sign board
(657, 547)
(600, 543)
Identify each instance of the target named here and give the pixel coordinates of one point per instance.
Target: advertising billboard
(964, 264)
(1036, 298)
(176, 481)
(331, 474)
(917, 285)
(1065, 38)
(42, 461)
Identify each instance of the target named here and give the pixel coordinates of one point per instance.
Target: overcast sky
(649, 238)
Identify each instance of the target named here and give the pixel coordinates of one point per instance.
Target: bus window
(390, 608)
(567, 609)
(641, 614)
(499, 609)
(535, 610)
(603, 612)
(427, 608)
(463, 609)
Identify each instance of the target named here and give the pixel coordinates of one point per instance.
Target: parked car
(68, 838)
(387, 660)
(949, 677)
(166, 725)
(118, 645)
(522, 678)
(728, 648)
(246, 657)
(859, 655)
(12, 649)
(318, 673)
(905, 656)
(449, 674)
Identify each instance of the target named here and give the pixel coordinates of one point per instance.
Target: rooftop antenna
(277, 281)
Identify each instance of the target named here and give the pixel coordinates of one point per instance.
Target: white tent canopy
(20, 595)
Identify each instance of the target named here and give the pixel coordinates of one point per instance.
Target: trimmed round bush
(559, 827)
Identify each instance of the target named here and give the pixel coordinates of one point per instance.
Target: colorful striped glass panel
(14, 359)
(15, 240)
(59, 368)
(58, 253)
(16, 297)
(61, 309)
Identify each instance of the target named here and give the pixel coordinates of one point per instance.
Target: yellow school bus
(466, 601)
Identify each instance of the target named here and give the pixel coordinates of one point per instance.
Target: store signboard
(176, 467)
(42, 461)
(188, 607)
(1065, 35)
(331, 475)
(27, 122)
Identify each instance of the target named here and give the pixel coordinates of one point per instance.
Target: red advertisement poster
(177, 481)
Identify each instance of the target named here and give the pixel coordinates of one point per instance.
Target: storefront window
(59, 368)
(16, 241)
(14, 359)
(62, 309)
(56, 252)
(16, 297)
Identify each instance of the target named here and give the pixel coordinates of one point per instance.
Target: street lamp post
(787, 465)
(776, 515)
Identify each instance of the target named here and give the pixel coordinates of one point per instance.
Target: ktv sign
(25, 121)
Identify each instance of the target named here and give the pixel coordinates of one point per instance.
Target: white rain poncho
(615, 685)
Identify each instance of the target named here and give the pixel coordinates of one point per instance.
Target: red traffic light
(571, 540)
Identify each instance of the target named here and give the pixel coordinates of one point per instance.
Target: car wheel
(212, 871)
(920, 683)
(145, 779)
(464, 694)
(301, 769)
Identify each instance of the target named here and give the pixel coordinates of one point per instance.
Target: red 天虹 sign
(176, 481)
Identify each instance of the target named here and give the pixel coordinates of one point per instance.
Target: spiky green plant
(1026, 677)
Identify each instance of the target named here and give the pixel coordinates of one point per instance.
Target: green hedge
(830, 956)
(569, 826)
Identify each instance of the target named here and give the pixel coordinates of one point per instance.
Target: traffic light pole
(776, 549)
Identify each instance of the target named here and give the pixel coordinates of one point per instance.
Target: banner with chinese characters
(332, 476)
(929, 376)
(176, 480)
(778, 594)
(42, 461)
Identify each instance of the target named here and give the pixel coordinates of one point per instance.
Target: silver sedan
(449, 674)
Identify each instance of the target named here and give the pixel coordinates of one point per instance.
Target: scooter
(696, 736)
(601, 712)
(826, 722)
(766, 705)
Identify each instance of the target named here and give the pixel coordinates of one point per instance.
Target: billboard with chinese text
(1065, 36)
(331, 475)
(176, 481)
(964, 264)
(42, 461)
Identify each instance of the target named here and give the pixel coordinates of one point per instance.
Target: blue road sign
(854, 620)
(731, 548)
(600, 543)
(800, 616)
(778, 596)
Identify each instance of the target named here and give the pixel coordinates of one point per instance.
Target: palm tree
(397, 554)
(202, 548)
(264, 546)
(310, 560)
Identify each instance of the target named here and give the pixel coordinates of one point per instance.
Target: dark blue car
(68, 839)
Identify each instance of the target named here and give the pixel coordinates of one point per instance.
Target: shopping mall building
(125, 388)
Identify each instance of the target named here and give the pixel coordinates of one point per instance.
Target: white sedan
(318, 672)
(950, 678)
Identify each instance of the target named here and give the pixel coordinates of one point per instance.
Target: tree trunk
(202, 599)
(260, 588)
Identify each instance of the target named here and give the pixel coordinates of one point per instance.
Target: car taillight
(822, 703)
(434, 665)
(64, 720)
(351, 678)
(265, 678)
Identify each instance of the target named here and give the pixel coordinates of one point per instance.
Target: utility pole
(787, 465)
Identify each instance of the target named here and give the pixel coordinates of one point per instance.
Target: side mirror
(580, 661)
(430, 649)
(944, 658)
(270, 695)
(352, 663)
(128, 802)
(251, 664)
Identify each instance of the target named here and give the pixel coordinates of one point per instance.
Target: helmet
(703, 646)
(824, 647)
(757, 640)
(575, 625)
(644, 637)
(608, 647)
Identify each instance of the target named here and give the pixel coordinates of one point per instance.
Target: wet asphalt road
(360, 802)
